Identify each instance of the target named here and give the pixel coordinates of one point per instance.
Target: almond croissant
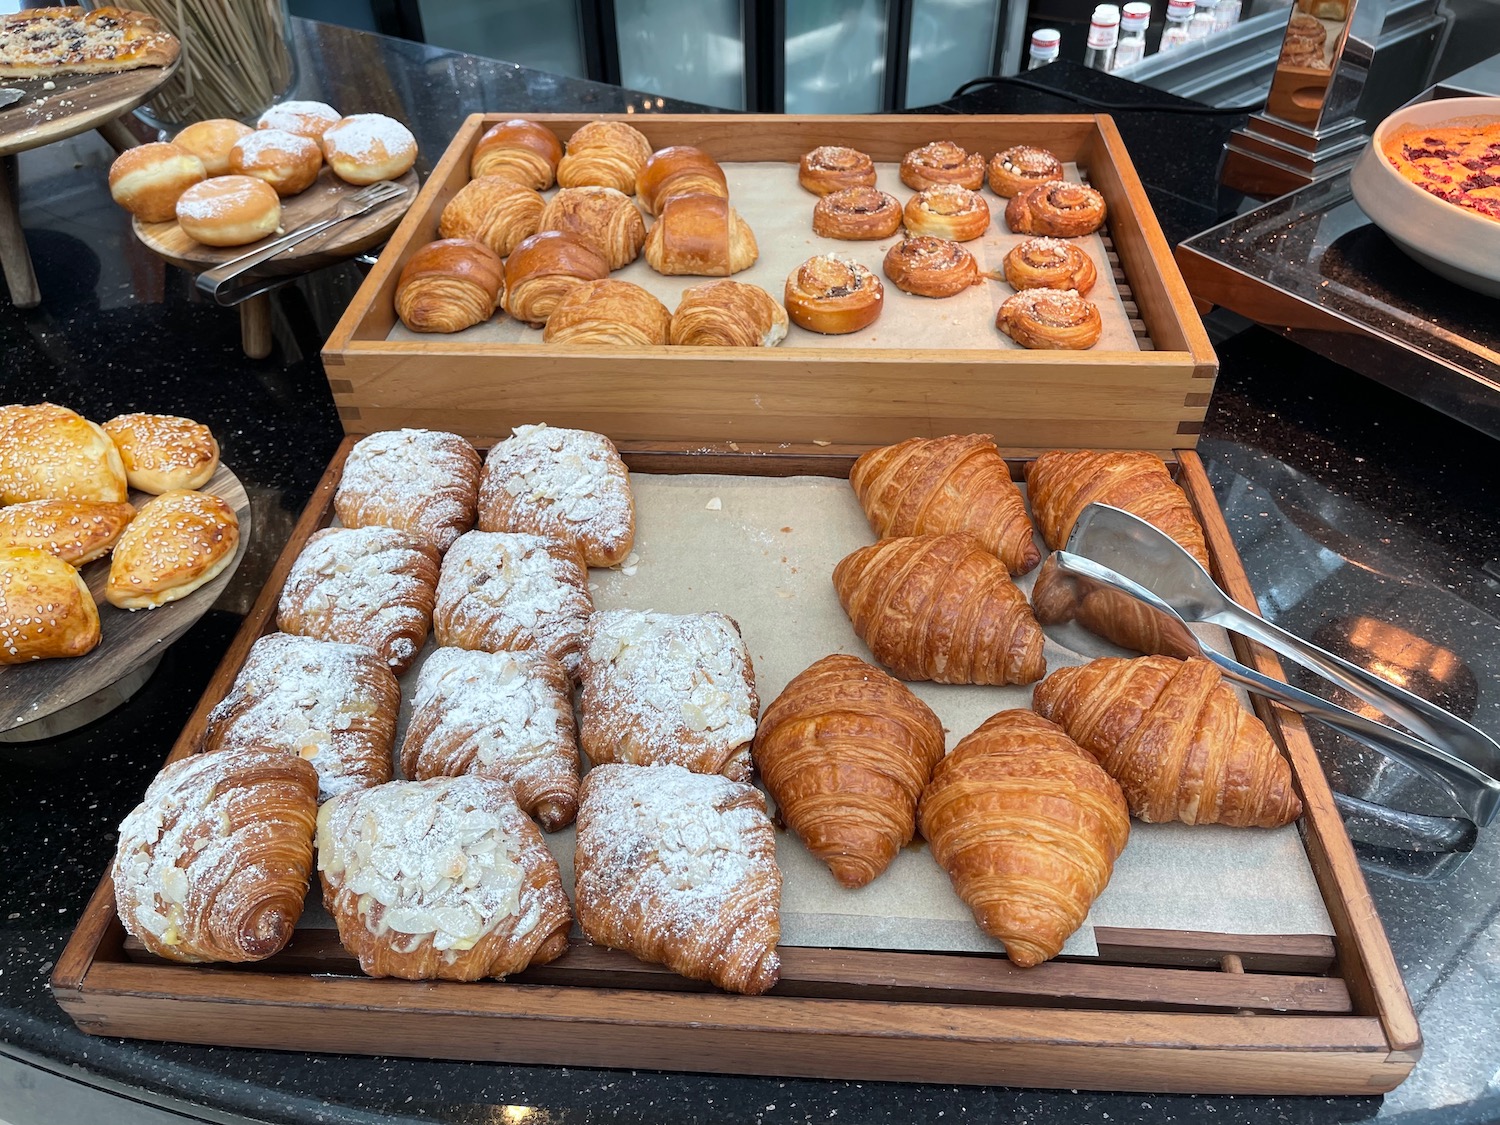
(1028, 828)
(1176, 738)
(845, 750)
(926, 486)
(941, 607)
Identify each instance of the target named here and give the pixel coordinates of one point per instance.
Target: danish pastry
(46, 609)
(76, 531)
(833, 296)
(678, 170)
(1020, 167)
(1050, 318)
(831, 168)
(544, 268)
(618, 313)
(700, 234)
(942, 162)
(494, 211)
(947, 211)
(1050, 263)
(856, 214)
(1060, 209)
(601, 216)
(604, 154)
(449, 285)
(928, 266)
(178, 542)
(519, 150)
(48, 452)
(424, 482)
(729, 314)
(162, 452)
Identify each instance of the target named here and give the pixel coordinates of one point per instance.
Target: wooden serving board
(74, 104)
(1156, 1011)
(33, 692)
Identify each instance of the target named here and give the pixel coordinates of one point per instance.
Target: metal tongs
(1114, 549)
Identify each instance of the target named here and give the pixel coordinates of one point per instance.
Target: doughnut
(210, 141)
(369, 147)
(306, 119)
(147, 180)
(288, 162)
(229, 210)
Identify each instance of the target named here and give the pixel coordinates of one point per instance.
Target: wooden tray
(74, 104)
(1157, 1011)
(855, 397)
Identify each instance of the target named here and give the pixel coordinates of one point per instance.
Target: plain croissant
(941, 607)
(845, 750)
(1176, 738)
(1028, 828)
(926, 486)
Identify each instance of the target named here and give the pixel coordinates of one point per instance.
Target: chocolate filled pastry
(931, 267)
(833, 296)
(288, 162)
(1050, 318)
(178, 541)
(942, 162)
(947, 211)
(76, 531)
(545, 268)
(1061, 209)
(701, 235)
(608, 312)
(604, 154)
(162, 452)
(601, 216)
(48, 452)
(1016, 169)
(496, 212)
(678, 170)
(857, 214)
(1050, 263)
(449, 285)
(33, 580)
(728, 314)
(425, 482)
(518, 150)
(831, 168)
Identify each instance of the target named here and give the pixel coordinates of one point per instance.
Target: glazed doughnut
(449, 285)
(518, 150)
(931, 267)
(229, 211)
(833, 296)
(1021, 167)
(856, 214)
(210, 142)
(1050, 318)
(948, 211)
(1050, 263)
(1060, 209)
(306, 119)
(288, 162)
(147, 180)
(678, 170)
(942, 162)
(832, 168)
(368, 148)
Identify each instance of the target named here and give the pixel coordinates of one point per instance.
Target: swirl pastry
(31, 578)
(48, 452)
(604, 154)
(1050, 318)
(831, 168)
(76, 531)
(947, 211)
(833, 296)
(728, 314)
(678, 170)
(518, 150)
(1016, 169)
(857, 214)
(178, 542)
(608, 312)
(1307, 28)
(601, 216)
(942, 162)
(424, 482)
(1050, 263)
(1061, 209)
(449, 285)
(931, 267)
(702, 235)
(545, 268)
(494, 211)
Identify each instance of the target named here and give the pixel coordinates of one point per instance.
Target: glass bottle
(1226, 14)
(1201, 26)
(1179, 15)
(1046, 42)
(1132, 45)
(1104, 33)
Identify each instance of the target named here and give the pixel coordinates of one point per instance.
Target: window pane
(537, 33)
(835, 56)
(951, 42)
(690, 49)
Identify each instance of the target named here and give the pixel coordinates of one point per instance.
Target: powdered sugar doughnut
(306, 119)
(368, 148)
(288, 162)
(229, 210)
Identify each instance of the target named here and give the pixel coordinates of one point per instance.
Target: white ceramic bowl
(1451, 241)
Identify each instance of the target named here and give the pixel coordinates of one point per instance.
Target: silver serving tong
(231, 283)
(1112, 548)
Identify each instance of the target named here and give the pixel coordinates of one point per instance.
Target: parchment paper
(779, 211)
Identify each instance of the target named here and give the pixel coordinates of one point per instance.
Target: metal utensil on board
(9, 96)
(228, 285)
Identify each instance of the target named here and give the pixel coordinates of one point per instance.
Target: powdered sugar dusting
(422, 481)
(369, 136)
(290, 115)
(212, 199)
(254, 147)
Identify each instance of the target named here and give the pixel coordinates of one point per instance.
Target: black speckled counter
(1346, 500)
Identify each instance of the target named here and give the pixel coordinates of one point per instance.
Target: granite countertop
(1346, 501)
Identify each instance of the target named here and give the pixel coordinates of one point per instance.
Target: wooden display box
(856, 397)
(1157, 1011)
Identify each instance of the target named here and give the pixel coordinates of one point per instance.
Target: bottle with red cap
(1104, 33)
(1179, 17)
(1134, 20)
(1046, 43)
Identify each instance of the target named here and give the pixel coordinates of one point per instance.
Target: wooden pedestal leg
(14, 256)
(119, 137)
(255, 326)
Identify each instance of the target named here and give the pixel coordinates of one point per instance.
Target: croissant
(941, 607)
(927, 486)
(700, 234)
(1028, 828)
(678, 170)
(424, 482)
(1175, 737)
(604, 218)
(518, 150)
(214, 863)
(606, 154)
(618, 313)
(845, 750)
(492, 210)
(545, 268)
(449, 285)
(728, 314)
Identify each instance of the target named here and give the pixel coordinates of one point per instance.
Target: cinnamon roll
(1050, 263)
(603, 217)
(832, 168)
(606, 154)
(942, 162)
(518, 150)
(931, 267)
(450, 285)
(678, 170)
(833, 296)
(1061, 209)
(545, 268)
(1021, 167)
(856, 214)
(948, 211)
(1050, 318)
(493, 210)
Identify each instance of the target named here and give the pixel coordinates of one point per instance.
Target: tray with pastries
(769, 763)
(750, 268)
